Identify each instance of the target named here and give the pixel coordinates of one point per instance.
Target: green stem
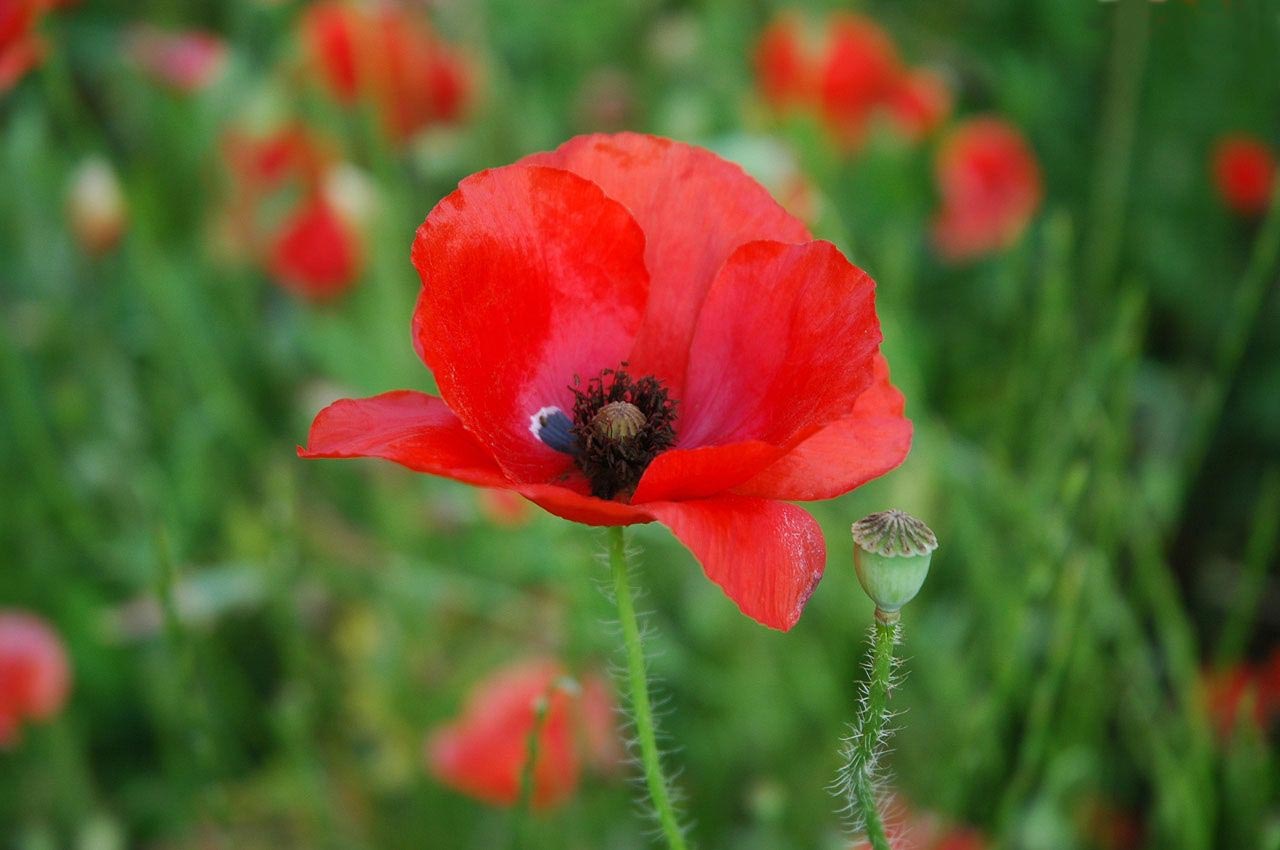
(526, 773)
(1258, 552)
(638, 685)
(870, 727)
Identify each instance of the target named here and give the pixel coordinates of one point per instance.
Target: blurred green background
(260, 644)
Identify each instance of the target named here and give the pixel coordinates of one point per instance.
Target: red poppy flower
(21, 47)
(389, 56)
(630, 330)
(989, 182)
(782, 66)
(859, 71)
(1244, 171)
(34, 674)
(316, 253)
(918, 104)
(485, 751)
(184, 61)
(259, 162)
(848, 79)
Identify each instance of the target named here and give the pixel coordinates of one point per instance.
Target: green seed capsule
(891, 557)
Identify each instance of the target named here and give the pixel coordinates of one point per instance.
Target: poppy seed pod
(891, 557)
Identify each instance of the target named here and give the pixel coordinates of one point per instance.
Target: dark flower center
(621, 425)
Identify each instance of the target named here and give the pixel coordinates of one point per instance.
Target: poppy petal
(580, 507)
(410, 428)
(785, 343)
(846, 454)
(766, 556)
(530, 277)
(695, 209)
(703, 472)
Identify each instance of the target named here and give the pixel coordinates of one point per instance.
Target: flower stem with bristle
(864, 746)
(638, 688)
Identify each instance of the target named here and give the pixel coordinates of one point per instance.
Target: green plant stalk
(1262, 541)
(526, 775)
(638, 686)
(870, 726)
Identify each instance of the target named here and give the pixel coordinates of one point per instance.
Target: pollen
(621, 424)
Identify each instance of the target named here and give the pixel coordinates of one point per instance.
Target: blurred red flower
(484, 752)
(1244, 171)
(1243, 693)
(261, 162)
(390, 56)
(316, 253)
(857, 73)
(850, 77)
(21, 47)
(628, 330)
(34, 674)
(989, 183)
(919, 102)
(782, 64)
(184, 61)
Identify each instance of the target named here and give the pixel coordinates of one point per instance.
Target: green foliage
(260, 644)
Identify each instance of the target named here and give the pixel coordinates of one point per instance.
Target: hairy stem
(868, 731)
(638, 687)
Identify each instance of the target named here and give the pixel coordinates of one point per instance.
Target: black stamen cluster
(613, 466)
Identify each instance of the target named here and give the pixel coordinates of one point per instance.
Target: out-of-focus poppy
(390, 57)
(857, 74)
(629, 330)
(989, 183)
(918, 103)
(184, 61)
(1244, 170)
(783, 70)
(261, 162)
(1244, 692)
(848, 75)
(484, 752)
(316, 253)
(21, 47)
(35, 676)
(96, 206)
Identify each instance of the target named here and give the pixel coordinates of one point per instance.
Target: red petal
(846, 454)
(695, 209)
(531, 276)
(413, 429)
(703, 472)
(766, 556)
(785, 344)
(579, 507)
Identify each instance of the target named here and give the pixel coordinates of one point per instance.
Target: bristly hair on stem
(643, 744)
(860, 783)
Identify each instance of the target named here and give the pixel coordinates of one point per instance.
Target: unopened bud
(95, 206)
(891, 557)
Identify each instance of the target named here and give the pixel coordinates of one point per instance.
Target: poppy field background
(204, 242)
